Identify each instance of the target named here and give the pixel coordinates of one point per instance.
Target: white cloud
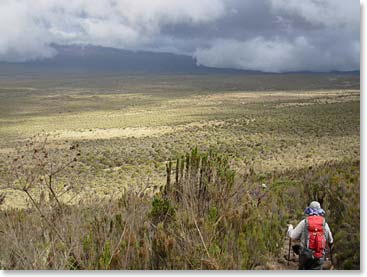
(20, 37)
(269, 35)
(28, 27)
(276, 55)
(312, 35)
(331, 13)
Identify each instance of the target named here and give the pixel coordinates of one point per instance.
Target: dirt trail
(281, 263)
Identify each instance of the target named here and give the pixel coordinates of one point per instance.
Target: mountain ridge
(93, 59)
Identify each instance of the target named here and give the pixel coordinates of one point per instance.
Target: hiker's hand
(290, 227)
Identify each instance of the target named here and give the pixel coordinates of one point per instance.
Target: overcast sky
(267, 35)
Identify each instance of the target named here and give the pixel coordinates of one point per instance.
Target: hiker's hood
(315, 205)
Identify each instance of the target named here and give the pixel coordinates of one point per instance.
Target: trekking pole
(331, 254)
(289, 251)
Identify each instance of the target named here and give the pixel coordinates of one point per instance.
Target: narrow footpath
(282, 263)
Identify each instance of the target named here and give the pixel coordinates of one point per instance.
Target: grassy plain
(128, 127)
(304, 127)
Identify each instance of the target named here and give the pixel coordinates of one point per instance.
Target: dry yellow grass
(126, 138)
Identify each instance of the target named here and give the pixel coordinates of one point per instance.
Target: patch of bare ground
(282, 263)
(135, 132)
(331, 96)
(295, 93)
(328, 98)
(288, 260)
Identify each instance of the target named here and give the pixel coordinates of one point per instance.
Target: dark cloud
(268, 35)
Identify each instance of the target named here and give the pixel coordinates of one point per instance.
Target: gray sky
(267, 35)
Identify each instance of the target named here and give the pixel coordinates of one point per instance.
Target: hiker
(313, 233)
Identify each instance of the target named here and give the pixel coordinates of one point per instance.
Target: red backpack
(316, 235)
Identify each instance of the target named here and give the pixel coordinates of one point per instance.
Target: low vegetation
(175, 173)
(205, 217)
